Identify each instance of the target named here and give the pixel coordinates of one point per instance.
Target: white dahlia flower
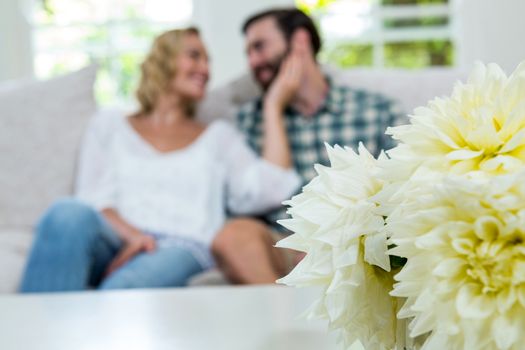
(480, 127)
(337, 224)
(453, 195)
(464, 280)
(477, 137)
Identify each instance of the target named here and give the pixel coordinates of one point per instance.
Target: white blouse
(183, 192)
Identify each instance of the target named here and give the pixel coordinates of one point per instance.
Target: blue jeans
(74, 245)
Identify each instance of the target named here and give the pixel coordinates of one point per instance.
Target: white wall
(492, 31)
(220, 23)
(15, 40)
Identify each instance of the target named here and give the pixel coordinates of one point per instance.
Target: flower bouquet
(424, 247)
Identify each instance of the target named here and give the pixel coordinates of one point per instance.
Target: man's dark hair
(288, 21)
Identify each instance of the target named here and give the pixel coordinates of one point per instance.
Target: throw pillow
(41, 126)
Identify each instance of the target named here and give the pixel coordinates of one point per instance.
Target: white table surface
(211, 318)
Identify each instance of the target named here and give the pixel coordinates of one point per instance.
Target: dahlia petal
(463, 154)
(506, 299)
(505, 332)
(471, 303)
(520, 291)
(376, 251)
(450, 267)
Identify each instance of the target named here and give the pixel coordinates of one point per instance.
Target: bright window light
(385, 33)
(69, 34)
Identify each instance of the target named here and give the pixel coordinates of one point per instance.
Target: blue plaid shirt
(347, 117)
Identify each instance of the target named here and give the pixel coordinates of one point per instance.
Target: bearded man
(302, 108)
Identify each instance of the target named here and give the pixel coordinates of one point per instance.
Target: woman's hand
(135, 241)
(133, 245)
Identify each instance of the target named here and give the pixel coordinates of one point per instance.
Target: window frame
(379, 36)
(109, 49)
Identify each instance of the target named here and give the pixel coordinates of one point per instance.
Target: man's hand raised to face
(290, 76)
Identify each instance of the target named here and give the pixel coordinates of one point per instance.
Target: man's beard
(273, 67)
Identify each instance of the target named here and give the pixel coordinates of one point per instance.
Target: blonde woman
(154, 188)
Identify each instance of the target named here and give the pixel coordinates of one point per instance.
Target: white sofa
(41, 124)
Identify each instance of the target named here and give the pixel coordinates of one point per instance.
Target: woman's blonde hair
(159, 68)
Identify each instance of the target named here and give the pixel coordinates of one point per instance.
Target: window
(69, 34)
(385, 33)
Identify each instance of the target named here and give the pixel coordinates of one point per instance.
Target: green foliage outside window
(415, 22)
(412, 54)
(309, 8)
(348, 55)
(419, 54)
(412, 2)
(119, 67)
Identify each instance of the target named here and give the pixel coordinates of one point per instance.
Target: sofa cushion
(411, 88)
(41, 125)
(14, 247)
(223, 102)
